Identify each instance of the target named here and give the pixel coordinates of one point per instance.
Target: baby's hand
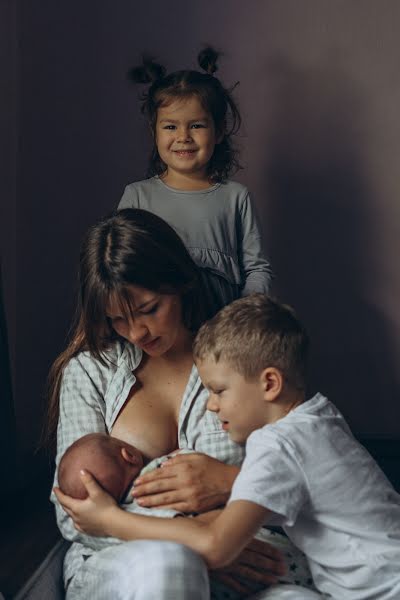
(91, 515)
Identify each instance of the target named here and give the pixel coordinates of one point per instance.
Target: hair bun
(207, 60)
(148, 72)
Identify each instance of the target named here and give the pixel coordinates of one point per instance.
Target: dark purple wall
(8, 157)
(8, 151)
(319, 91)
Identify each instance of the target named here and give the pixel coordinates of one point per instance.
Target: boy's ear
(129, 457)
(272, 383)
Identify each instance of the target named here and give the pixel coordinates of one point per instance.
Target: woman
(128, 371)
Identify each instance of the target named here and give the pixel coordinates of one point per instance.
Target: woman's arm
(190, 483)
(218, 542)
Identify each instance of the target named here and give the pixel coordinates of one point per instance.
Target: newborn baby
(113, 462)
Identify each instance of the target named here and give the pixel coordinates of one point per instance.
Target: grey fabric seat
(46, 582)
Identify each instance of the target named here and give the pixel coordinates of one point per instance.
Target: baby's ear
(131, 458)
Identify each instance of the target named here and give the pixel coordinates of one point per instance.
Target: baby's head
(252, 358)
(112, 462)
(169, 92)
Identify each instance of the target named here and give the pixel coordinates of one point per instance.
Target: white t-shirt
(330, 497)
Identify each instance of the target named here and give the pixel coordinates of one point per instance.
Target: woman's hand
(92, 514)
(188, 483)
(259, 562)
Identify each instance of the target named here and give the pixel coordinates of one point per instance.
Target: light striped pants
(158, 570)
(142, 570)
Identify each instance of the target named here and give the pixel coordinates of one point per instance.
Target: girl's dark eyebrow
(177, 120)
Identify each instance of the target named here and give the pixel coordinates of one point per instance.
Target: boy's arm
(219, 542)
(209, 516)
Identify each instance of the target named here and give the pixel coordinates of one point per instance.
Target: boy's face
(238, 403)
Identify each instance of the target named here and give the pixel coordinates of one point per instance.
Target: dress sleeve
(129, 198)
(256, 269)
(82, 411)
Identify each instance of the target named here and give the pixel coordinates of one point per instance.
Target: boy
(303, 469)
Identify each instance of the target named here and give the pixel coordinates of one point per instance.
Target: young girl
(193, 117)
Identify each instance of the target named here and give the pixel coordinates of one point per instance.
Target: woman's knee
(146, 570)
(172, 571)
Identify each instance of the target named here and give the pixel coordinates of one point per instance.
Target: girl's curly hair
(214, 97)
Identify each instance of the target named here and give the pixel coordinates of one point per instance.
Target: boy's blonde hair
(254, 333)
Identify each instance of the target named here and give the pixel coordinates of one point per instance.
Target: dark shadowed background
(319, 94)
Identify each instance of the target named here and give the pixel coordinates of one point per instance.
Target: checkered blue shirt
(91, 397)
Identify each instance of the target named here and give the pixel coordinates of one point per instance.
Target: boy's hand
(92, 514)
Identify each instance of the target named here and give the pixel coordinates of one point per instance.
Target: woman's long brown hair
(132, 247)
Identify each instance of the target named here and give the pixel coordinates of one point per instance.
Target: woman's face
(155, 325)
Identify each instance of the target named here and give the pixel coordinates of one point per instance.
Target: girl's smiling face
(185, 138)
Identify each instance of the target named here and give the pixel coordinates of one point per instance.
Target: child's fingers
(68, 504)
(91, 485)
(69, 512)
(64, 500)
